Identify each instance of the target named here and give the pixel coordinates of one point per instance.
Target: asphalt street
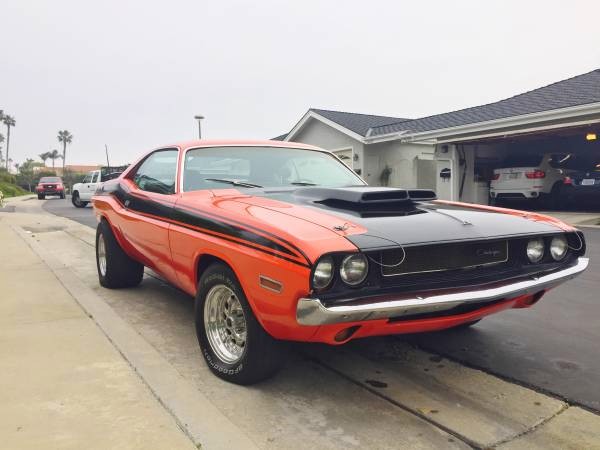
(552, 347)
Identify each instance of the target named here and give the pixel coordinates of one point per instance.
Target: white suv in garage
(529, 176)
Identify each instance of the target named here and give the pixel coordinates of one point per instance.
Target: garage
(537, 150)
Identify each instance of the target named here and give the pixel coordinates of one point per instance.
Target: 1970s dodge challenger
(280, 241)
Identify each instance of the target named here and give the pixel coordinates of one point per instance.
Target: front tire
(41, 197)
(234, 345)
(115, 268)
(77, 202)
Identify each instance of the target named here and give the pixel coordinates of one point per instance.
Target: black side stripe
(182, 217)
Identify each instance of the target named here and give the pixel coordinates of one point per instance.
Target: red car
(278, 241)
(50, 186)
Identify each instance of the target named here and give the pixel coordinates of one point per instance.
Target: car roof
(242, 143)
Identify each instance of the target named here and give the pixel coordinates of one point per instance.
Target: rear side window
(523, 160)
(157, 173)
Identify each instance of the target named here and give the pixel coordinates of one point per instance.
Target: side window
(88, 177)
(157, 172)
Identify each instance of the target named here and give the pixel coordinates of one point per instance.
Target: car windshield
(247, 167)
(49, 180)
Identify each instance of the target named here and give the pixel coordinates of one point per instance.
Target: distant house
(467, 144)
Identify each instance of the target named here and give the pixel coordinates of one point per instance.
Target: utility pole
(199, 119)
(107, 161)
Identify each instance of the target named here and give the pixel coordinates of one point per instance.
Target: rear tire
(115, 268)
(234, 345)
(76, 200)
(41, 197)
(62, 195)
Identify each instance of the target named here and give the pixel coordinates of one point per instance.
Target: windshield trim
(198, 147)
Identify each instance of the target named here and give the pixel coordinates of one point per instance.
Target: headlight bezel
(365, 271)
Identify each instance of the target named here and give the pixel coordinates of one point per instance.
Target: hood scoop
(365, 198)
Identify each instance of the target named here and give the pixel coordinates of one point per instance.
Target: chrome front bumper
(310, 311)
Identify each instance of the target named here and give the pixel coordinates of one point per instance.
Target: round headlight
(535, 250)
(354, 269)
(559, 247)
(323, 273)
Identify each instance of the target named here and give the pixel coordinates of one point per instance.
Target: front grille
(435, 258)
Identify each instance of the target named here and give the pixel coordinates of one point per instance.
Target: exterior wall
(411, 165)
(321, 135)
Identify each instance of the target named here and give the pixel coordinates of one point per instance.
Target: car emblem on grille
(487, 252)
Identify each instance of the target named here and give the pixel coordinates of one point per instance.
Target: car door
(148, 200)
(84, 190)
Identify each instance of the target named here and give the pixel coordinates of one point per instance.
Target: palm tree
(17, 167)
(9, 122)
(54, 155)
(44, 156)
(65, 138)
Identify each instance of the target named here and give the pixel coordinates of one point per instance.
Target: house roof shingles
(359, 123)
(575, 91)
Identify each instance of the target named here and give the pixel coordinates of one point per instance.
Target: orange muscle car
(280, 241)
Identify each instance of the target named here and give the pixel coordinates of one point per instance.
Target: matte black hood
(395, 217)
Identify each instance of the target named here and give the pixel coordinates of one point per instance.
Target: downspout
(462, 162)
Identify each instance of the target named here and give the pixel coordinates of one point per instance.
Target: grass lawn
(11, 190)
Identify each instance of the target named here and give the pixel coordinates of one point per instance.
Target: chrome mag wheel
(225, 324)
(102, 255)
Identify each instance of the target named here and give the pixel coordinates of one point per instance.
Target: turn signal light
(496, 176)
(535, 174)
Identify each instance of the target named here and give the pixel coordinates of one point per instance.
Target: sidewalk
(63, 384)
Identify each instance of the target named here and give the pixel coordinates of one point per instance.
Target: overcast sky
(132, 74)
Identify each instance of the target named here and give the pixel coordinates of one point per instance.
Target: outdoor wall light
(591, 137)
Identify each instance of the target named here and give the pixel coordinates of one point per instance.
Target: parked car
(83, 192)
(583, 185)
(50, 186)
(529, 176)
(279, 241)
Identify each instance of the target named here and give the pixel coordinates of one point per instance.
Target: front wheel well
(204, 261)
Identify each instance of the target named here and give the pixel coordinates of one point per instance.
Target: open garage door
(558, 169)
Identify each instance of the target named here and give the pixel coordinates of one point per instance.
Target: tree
(9, 122)
(64, 137)
(26, 173)
(44, 156)
(54, 155)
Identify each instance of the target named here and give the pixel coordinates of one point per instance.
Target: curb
(195, 414)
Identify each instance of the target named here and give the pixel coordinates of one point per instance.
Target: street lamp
(199, 119)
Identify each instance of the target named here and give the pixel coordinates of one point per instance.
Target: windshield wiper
(303, 183)
(234, 182)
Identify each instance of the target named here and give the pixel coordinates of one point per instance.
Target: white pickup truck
(82, 192)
